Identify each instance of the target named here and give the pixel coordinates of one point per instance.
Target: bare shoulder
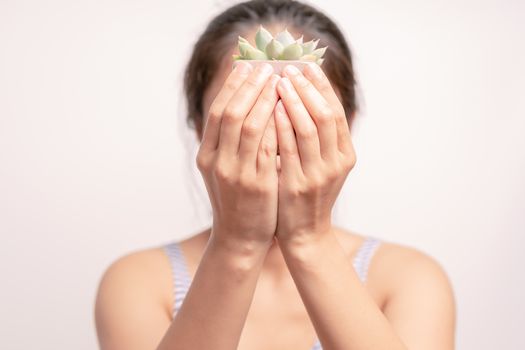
(396, 266)
(417, 295)
(134, 292)
(145, 275)
(141, 271)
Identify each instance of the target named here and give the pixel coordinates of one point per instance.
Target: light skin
(272, 242)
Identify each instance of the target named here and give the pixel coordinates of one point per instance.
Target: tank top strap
(179, 273)
(364, 255)
(317, 345)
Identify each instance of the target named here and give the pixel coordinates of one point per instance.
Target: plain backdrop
(96, 160)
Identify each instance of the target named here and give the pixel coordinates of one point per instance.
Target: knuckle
(307, 132)
(250, 129)
(230, 85)
(293, 190)
(302, 188)
(260, 189)
(214, 113)
(287, 151)
(304, 83)
(252, 82)
(232, 113)
(352, 161)
(325, 114)
(349, 162)
(268, 149)
(310, 188)
(325, 87)
(267, 97)
(334, 172)
(222, 174)
(316, 181)
(201, 162)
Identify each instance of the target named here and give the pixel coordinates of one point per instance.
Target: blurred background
(96, 159)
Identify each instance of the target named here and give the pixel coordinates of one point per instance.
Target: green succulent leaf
(292, 52)
(311, 58)
(319, 52)
(244, 47)
(274, 49)
(285, 38)
(281, 47)
(310, 46)
(262, 38)
(255, 54)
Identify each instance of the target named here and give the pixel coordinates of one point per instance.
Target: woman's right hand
(237, 158)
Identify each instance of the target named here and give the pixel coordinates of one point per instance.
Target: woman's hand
(237, 158)
(316, 160)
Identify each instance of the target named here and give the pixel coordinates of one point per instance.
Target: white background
(96, 161)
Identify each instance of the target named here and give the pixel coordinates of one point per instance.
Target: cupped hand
(237, 157)
(316, 153)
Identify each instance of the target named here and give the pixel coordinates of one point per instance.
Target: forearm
(342, 311)
(214, 310)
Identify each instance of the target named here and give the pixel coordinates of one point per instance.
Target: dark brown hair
(221, 35)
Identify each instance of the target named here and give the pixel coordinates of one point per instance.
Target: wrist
(237, 254)
(302, 247)
(304, 236)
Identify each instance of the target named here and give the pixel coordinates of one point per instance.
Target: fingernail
(314, 69)
(286, 84)
(265, 68)
(243, 67)
(292, 70)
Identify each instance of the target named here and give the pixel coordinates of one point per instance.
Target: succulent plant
(281, 47)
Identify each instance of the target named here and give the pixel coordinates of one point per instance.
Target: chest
(277, 328)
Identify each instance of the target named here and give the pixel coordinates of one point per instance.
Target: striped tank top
(182, 280)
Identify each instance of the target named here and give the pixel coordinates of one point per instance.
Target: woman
(273, 272)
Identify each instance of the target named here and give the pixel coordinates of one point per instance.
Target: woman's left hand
(316, 160)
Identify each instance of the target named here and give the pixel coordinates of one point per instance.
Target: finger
(288, 151)
(210, 138)
(319, 109)
(238, 108)
(318, 78)
(267, 150)
(256, 122)
(303, 124)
